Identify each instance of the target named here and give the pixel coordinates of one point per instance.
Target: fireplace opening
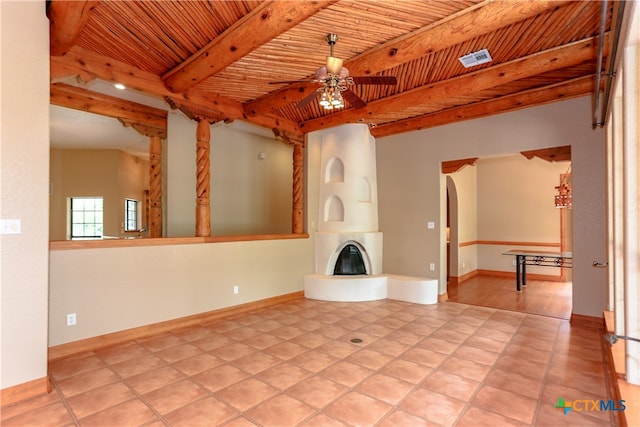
(349, 262)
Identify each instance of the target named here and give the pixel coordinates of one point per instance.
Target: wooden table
(539, 258)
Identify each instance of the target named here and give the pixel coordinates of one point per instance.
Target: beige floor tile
(484, 343)
(132, 412)
(285, 350)
(313, 361)
(477, 355)
(358, 409)
(80, 383)
(369, 358)
(174, 396)
(317, 391)
(423, 356)
(198, 363)
(96, 400)
(451, 385)
(477, 417)
(513, 382)
(506, 403)
(400, 418)
(346, 373)
(138, 365)
(120, 353)
(383, 387)
(295, 364)
(406, 370)
(179, 352)
(439, 345)
(55, 414)
(154, 379)
(161, 342)
(75, 365)
(220, 377)
(246, 394)
(322, 420)
(29, 405)
(434, 407)
(283, 376)
(256, 362)
(282, 410)
(465, 368)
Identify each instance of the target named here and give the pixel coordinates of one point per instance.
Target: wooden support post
(297, 222)
(155, 187)
(203, 207)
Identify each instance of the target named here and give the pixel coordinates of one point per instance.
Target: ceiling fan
(335, 79)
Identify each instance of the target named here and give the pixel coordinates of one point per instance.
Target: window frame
(131, 224)
(97, 224)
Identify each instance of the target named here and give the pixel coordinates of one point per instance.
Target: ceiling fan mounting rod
(331, 38)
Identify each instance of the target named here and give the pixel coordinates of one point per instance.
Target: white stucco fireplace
(348, 225)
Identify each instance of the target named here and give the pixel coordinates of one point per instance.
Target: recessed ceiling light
(119, 86)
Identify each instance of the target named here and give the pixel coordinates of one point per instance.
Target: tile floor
(448, 364)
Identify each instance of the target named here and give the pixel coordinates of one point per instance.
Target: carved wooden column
(155, 187)
(297, 223)
(203, 207)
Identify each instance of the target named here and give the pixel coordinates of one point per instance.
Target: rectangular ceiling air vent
(475, 58)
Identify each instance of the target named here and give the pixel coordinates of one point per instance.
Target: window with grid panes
(86, 215)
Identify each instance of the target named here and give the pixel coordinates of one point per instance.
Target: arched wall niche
(334, 209)
(334, 171)
(364, 190)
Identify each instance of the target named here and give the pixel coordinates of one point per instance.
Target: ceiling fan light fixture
(324, 100)
(336, 99)
(334, 65)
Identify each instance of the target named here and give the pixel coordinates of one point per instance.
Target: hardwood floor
(551, 299)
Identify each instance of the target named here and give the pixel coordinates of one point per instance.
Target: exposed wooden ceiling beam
(82, 62)
(130, 113)
(545, 61)
(467, 24)
(67, 18)
(554, 154)
(539, 96)
(260, 26)
(452, 166)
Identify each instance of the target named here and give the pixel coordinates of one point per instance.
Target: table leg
(524, 271)
(518, 283)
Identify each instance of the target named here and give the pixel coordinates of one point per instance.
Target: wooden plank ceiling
(216, 59)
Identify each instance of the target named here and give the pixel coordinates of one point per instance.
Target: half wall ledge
(419, 290)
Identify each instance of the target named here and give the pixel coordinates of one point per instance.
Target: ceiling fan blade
(308, 99)
(355, 101)
(375, 80)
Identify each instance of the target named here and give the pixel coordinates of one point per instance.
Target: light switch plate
(10, 226)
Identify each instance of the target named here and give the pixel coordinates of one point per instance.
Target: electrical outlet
(235, 290)
(432, 267)
(71, 319)
(464, 264)
(514, 262)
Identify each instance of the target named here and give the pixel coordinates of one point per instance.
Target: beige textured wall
(249, 195)
(115, 289)
(516, 203)
(411, 189)
(111, 174)
(464, 218)
(24, 183)
(133, 179)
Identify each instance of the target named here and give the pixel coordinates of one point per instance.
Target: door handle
(599, 264)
